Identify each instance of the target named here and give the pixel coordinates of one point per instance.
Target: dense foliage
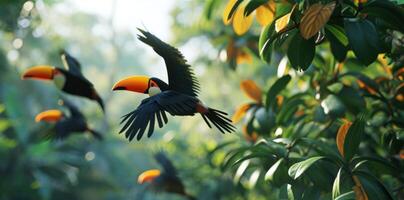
(316, 88)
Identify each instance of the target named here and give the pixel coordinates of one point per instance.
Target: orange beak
(133, 83)
(148, 176)
(42, 72)
(49, 116)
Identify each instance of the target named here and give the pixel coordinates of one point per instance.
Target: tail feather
(219, 120)
(96, 134)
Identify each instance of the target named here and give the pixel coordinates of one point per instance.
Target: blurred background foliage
(306, 112)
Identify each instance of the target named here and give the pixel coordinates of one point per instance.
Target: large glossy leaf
(277, 173)
(230, 9)
(341, 134)
(288, 109)
(252, 5)
(265, 14)
(314, 19)
(363, 39)
(282, 22)
(338, 49)
(301, 52)
(302, 192)
(354, 137)
(346, 196)
(374, 189)
(336, 191)
(322, 174)
(275, 89)
(389, 13)
(338, 32)
(352, 99)
(252, 90)
(265, 42)
(241, 23)
(297, 169)
(377, 163)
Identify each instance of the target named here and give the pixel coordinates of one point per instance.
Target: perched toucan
(165, 180)
(69, 80)
(179, 97)
(65, 125)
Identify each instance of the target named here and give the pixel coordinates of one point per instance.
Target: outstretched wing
(155, 107)
(180, 75)
(71, 64)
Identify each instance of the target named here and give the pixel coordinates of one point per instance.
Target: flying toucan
(165, 180)
(65, 125)
(69, 80)
(179, 97)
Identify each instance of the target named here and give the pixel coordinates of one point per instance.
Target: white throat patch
(59, 80)
(154, 90)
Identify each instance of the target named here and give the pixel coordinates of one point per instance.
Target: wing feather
(181, 77)
(137, 121)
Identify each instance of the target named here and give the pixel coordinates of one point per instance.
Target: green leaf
(374, 189)
(336, 186)
(354, 137)
(240, 170)
(363, 39)
(352, 99)
(287, 110)
(347, 196)
(265, 42)
(338, 48)
(302, 192)
(333, 106)
(209, 7)
(233, 156)
(277, 87)
(378, 164)
(323, 147)
(322, 174)
(282, 8)
(338, 33)
(231, 13)
(392, 15)
(301, 52)
(277, 173)
(295, 191)
(297, 169)
(252, 5)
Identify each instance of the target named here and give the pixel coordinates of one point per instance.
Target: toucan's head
(140, 84)
(45, 72)
(49, 116)
(148, 176)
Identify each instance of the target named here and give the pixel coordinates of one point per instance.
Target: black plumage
(76, 83)
(168, 180)
(178, 98)
(75, 123)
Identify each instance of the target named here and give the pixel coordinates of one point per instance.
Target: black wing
(155, 107)
(71, 64)
(165, 163)
(180, 75)
(74, 111)
(66, 127)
